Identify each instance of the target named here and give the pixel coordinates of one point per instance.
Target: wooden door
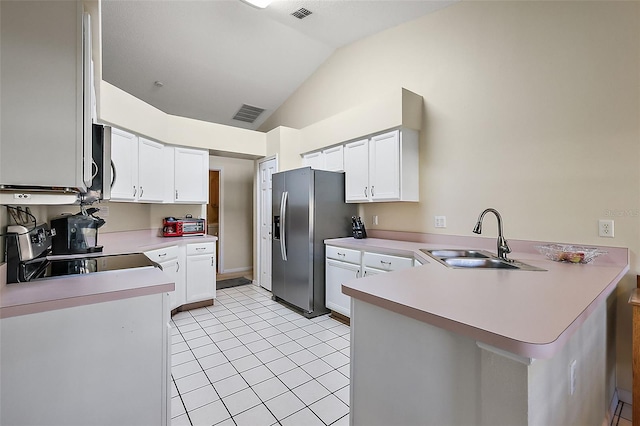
(213, 209)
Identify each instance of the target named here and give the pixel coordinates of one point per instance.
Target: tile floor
(251, 361)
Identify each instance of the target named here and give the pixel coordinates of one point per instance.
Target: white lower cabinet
(201, 272)
(342, 265)
(193, 269)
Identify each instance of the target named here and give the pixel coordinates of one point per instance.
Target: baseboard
(236, 270)
(625, 396)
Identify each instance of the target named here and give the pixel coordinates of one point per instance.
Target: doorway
(266, 168)
(213, 211)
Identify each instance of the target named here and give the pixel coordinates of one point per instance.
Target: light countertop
(76, 290)
(528, 313)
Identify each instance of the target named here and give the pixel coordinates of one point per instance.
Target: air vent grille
(248, 113)
(302, 13)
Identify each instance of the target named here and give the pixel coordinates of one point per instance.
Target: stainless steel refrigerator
(308, 207)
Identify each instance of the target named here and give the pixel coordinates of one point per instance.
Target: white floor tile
(189, 383)
(317, 368)
(220, 372)
(302, 357)
(250, 337)
(267, 331)
(345, 370)
(194, 334)
(333, 380)
(215, 328)
(289, 347)
(182, 420)
(199, 397)
(337, 343)
(206, 350)
(308, 340)
(296, 333)
(321, 350)
(177, 407)
(343, 394)
(230, 385)
(179, 347)
(200, 341)
(284, 405)
(295, 377)
(229, 343)
(329, 409)
(286, 326)
(256, 416)
(343, 421)
(278, 339)
(311, 392)
(281, 365)
(219, 336)
(269, 389)
(269, 355)
(186, 369)
(189, 327)
(246, 363)
(304, 417)
(243, 329)
(211, 361)
(241, 401)
(258, 346)
(257, 375)
(236, 353)
(209, 415)
(181, 358)
(336, 359)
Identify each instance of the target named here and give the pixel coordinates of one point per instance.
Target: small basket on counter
(570, 253)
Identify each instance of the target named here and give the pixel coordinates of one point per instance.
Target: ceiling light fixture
(260, 4)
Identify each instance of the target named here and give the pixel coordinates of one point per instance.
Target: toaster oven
(180, 227)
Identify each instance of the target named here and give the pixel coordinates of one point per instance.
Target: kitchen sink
(476, 259)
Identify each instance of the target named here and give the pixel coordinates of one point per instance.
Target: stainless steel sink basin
(442, 254)
(476, 259)
(471, 262)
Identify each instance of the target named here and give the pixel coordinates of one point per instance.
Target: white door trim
(259, 255)
(220, 266)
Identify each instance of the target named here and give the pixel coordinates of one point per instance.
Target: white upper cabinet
(45, 134)
(151, 171)
(334, 158)
(356, 168)
(191, 175)
(382, 168)
(124, 155)
(315, 160)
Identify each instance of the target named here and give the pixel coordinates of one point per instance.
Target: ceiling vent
(248, 113)
(301, 13)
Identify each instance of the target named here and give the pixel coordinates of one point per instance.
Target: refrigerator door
(292, 275)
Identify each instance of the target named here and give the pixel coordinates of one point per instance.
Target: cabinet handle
(212, 261)
(385, 263)
(341, 254)
(365, 191)
(141, 191)
(177, 266)
(358, 273)
(176, 194)
(201, 248)
(162, 255)
(134, 190)
(372, 194)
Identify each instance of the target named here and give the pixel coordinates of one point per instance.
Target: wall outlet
(440, 221)
(104, 211)
(572, 377)
(605, 228)
(22, 196)
(374, 220)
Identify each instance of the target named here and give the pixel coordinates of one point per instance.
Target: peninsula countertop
(76, 290)
(528, 313)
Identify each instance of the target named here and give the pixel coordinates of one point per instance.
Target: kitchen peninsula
(76, 347)
(434, 345)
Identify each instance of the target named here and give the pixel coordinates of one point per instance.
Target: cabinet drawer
(386, 262)
(342, 254)
(163, 254)
(201, 248)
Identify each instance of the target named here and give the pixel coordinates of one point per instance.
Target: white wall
(236, 217)
(531, 107)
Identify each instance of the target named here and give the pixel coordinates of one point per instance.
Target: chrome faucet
(503, 246)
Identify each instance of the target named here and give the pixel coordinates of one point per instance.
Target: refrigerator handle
(283, 225)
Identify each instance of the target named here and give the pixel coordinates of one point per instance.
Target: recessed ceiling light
(260, 4)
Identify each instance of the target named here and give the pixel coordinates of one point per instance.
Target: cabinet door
(384, 174)
(151, 170)
(191, 175)
(315, 160)
(201, 277)
(124, 155)
(356, 168)
(334, 159)
(336, 274)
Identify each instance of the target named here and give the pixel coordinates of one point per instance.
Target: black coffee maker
(75, 234)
